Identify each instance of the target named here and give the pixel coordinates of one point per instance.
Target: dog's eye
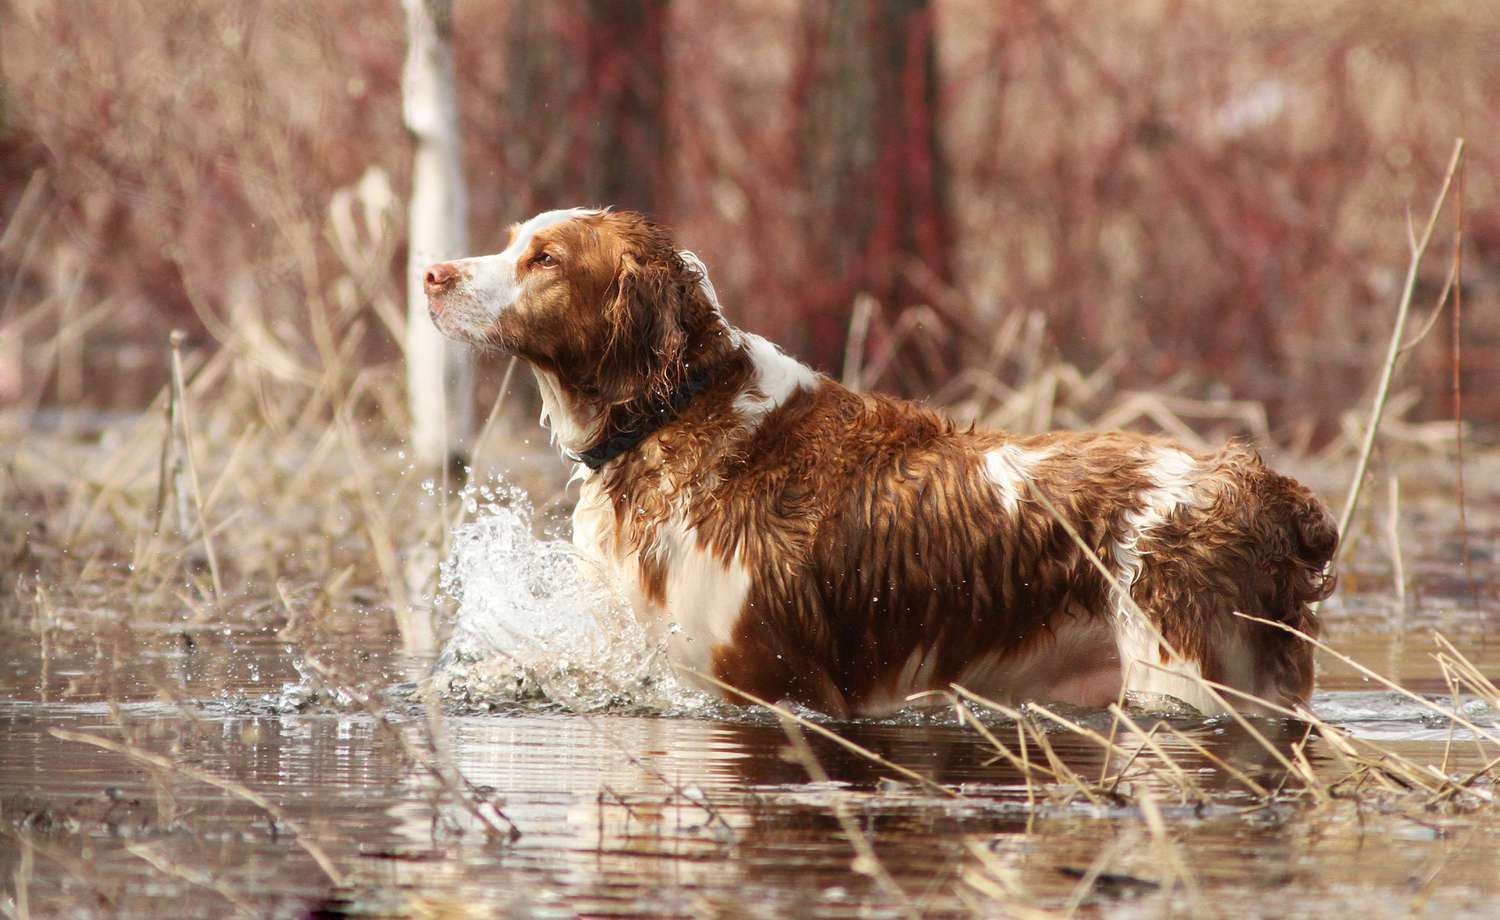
(544, 259)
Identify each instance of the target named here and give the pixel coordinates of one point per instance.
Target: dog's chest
(680, 591)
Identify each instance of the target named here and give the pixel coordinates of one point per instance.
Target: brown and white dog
(798, 540)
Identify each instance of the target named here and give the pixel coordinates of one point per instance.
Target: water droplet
(529, 622)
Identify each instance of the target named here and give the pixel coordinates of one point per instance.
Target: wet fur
(880, 549)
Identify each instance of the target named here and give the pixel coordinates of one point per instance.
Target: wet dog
(798, 540)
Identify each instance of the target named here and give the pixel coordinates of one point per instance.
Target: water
(634, 797)
(533, 623)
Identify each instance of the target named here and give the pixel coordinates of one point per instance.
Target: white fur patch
(705, 596)
(1175, 478)
(694, 262)
(570, 430)
(593, 522)
(776, 377)
(1174, 475)
(1143, 670)
(1010, 467)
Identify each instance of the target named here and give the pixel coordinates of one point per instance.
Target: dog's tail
(1309, 541)
(1316, 533)
(1297, 539)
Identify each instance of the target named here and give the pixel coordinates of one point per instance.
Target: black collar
(647, 423)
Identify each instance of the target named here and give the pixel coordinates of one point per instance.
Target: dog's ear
(645, 310)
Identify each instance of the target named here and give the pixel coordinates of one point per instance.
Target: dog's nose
(439, 278)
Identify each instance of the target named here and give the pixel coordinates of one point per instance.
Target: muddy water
(271, 794)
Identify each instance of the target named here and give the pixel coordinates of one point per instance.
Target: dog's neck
(629, 429)
(574, 420)
(593, 433)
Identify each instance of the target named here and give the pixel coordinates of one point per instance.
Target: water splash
(535, 623)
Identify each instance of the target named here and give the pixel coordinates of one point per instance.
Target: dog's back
(886, 552)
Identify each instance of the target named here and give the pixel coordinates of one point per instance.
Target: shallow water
(652, 803)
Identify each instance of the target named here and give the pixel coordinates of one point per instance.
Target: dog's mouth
(481, 336)
(441, 320)
(451, 323)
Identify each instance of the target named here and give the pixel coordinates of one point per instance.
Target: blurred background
(955, 199)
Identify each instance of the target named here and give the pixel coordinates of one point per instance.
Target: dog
(793, 539)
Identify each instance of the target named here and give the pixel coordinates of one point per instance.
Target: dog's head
(602, 300)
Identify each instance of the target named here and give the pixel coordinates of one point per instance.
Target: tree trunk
(875, 180)
(439, 375)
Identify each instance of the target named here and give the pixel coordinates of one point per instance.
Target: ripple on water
(1391, 716)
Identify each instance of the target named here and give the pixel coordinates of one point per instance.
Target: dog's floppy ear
(644, 357)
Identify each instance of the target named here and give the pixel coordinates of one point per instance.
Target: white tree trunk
(439, 376)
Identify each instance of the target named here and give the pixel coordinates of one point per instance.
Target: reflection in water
(659, 816)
